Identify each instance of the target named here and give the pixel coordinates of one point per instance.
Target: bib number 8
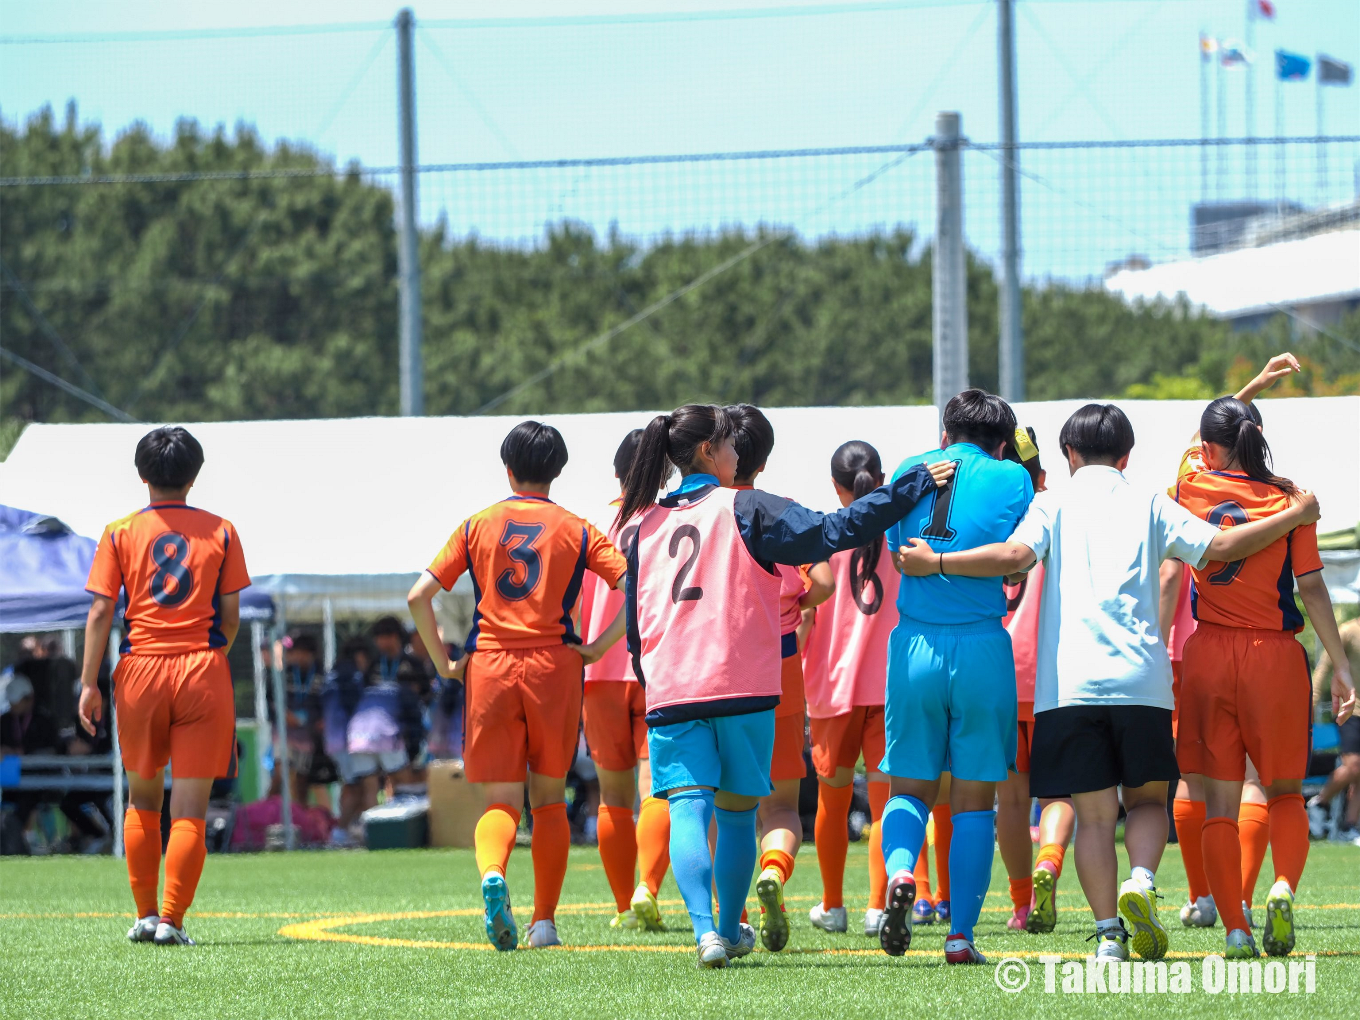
(172, 582)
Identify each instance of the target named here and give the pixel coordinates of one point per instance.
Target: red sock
(550, 847)
(833, 840)
(1253, 829)
(494, 838)
(618, 851)
(1052, 854)
(1289, 837)
(142, 845)
(184, 857)
(944, 833)
(654, 841)
(1022, 892)
(921, 873)
(1223, 865)
(878, 868)
(1189, 824)
(780, 860)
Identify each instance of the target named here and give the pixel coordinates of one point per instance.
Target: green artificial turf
(62, 924)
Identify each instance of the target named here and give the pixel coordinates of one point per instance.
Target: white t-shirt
(1101, 543)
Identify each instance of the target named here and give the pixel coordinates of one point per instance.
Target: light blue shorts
(950, 704)
(730, 753)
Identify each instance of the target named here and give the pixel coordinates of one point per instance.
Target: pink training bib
(845, 663)
(1023, 625)
(601, 603)
(1184, 624)
(707, 612)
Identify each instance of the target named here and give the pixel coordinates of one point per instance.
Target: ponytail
(856, 467)
(1230, 423)
(669, 439)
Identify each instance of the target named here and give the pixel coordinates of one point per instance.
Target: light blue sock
(970, 867)
(733, 865)
(691, 863)
(904, 831)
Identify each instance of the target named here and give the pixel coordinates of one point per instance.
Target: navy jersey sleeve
(633, 637)
(778, 530)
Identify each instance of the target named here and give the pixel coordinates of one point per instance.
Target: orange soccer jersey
(527, 557)
(174, 562)
(1257, 592)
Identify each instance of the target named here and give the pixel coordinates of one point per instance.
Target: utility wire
(46, 327)
(71, 388)
(468, 94)
(348, 90)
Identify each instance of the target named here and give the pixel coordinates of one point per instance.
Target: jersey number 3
(519, 540)
(679, 593)
(172, 582)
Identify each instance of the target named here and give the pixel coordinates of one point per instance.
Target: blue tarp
(43, 568)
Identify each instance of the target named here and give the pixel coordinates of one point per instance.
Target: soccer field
(399, 934)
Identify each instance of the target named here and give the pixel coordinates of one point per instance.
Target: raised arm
(1243, 540)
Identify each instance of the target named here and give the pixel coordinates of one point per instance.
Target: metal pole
(116, 639)
(1221, 187)
(1279, 148)
(281, 743)
(408, 254)
(262, 739)
(1203, 122)
(68, 643)
(1321, 147)
(1011, 369)
(1250, 71)
(328, 636)
(949, 272)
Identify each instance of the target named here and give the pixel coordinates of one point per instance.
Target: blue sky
(638, 84)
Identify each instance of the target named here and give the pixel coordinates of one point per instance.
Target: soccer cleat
(1277, 938)
(168, 935)
(1138, 905)
(746, 941)
(1112, 943)
(894, 934)
(1241, 946)
(873, 921)
(958, 949)
(543, 934)
(942, 911)
(923, 912)
(1043, 912)
(1319, 817)
(500, 921)
(645, 908)
(1246, 912)
(625, 919)
(712, 953)
(774, 923)
(1019, 919)
(832, 919)
(1200, 913)
(144, 929)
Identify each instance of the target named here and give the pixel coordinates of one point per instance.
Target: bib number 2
(172, 582)
(679, 593)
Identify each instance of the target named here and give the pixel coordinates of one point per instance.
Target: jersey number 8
(172, 582)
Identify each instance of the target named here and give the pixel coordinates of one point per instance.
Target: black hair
(168, 457)
(753, 436)
(389, 625)
(623, 456)
(976, 416)
(355, 646)
(1229, 422)
(304, 643)
(856, 467)
(1032, 465)
(670, 439)
(534, 452)
(1098, 432)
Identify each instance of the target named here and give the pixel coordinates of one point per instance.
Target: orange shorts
(616, 730)
(792, 700)
(1024, 737)
(523, 713)
(178, 709)
(1176, 671)
(838, 741)
(1244, 692)
(789, 738)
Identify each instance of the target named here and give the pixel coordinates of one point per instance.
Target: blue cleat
(500, 922)
(923, 912)
(942, 911)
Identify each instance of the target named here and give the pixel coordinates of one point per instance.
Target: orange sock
(1223, 866)
(1253, 829)
(1289, 837)
(550, 847)
(1022, 891)
(780, 860)
(654, 841)
(618, 851)
(184, 856)
(142, 845)
(1189, 824)
(878, 868)
(1052, 854)
(833, 840)
(944, 833)
(921, 873)
(494, 838)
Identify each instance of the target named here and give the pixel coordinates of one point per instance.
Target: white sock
(1107, 924)
(1144, 876)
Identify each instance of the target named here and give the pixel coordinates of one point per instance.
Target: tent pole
(116, 639)
(281, 740)
(68, 643)
(328, 637)
(262, 738)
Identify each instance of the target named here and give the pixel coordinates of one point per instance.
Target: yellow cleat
(624, 919)
(1277, 938)
(1138, 906)
(646, 913)
(774, 922)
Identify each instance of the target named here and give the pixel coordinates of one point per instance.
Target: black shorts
(1084, 748)
(1350, 735)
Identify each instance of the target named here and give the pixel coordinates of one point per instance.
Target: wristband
(941, 564)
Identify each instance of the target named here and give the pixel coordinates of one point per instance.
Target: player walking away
(703, 616)
(950, 702)
(777, 818)
(182, 571)
(1247, 688)
(1346, 776)
(1033, 893)
(614, 706)
(523, 667)
(1102, 691)
(847, 658)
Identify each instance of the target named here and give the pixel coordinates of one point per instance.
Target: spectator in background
(1345, 779)
(386, 723)
(340, 698)
(86, 810)
(25, 728)
(312, 769)
(444, 715)
(55, 678)
(396, 665)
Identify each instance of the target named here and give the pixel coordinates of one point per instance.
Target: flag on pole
(1332, 71)
(1208, 46)
(1263, 9)
(1291, 66)
(1234, 54)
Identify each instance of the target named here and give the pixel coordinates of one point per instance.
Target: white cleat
(168, 935)
(1319, 817)
(1113, 943)
(873, 920)
(958, 949)
(712, 953)
(543, 934)
(746, 941)
(832, 919)
(144, 929)
(1201, 913)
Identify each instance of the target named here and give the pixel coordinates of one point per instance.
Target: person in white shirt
(1102, 696)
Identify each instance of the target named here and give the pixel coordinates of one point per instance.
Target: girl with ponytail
(702, 603)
